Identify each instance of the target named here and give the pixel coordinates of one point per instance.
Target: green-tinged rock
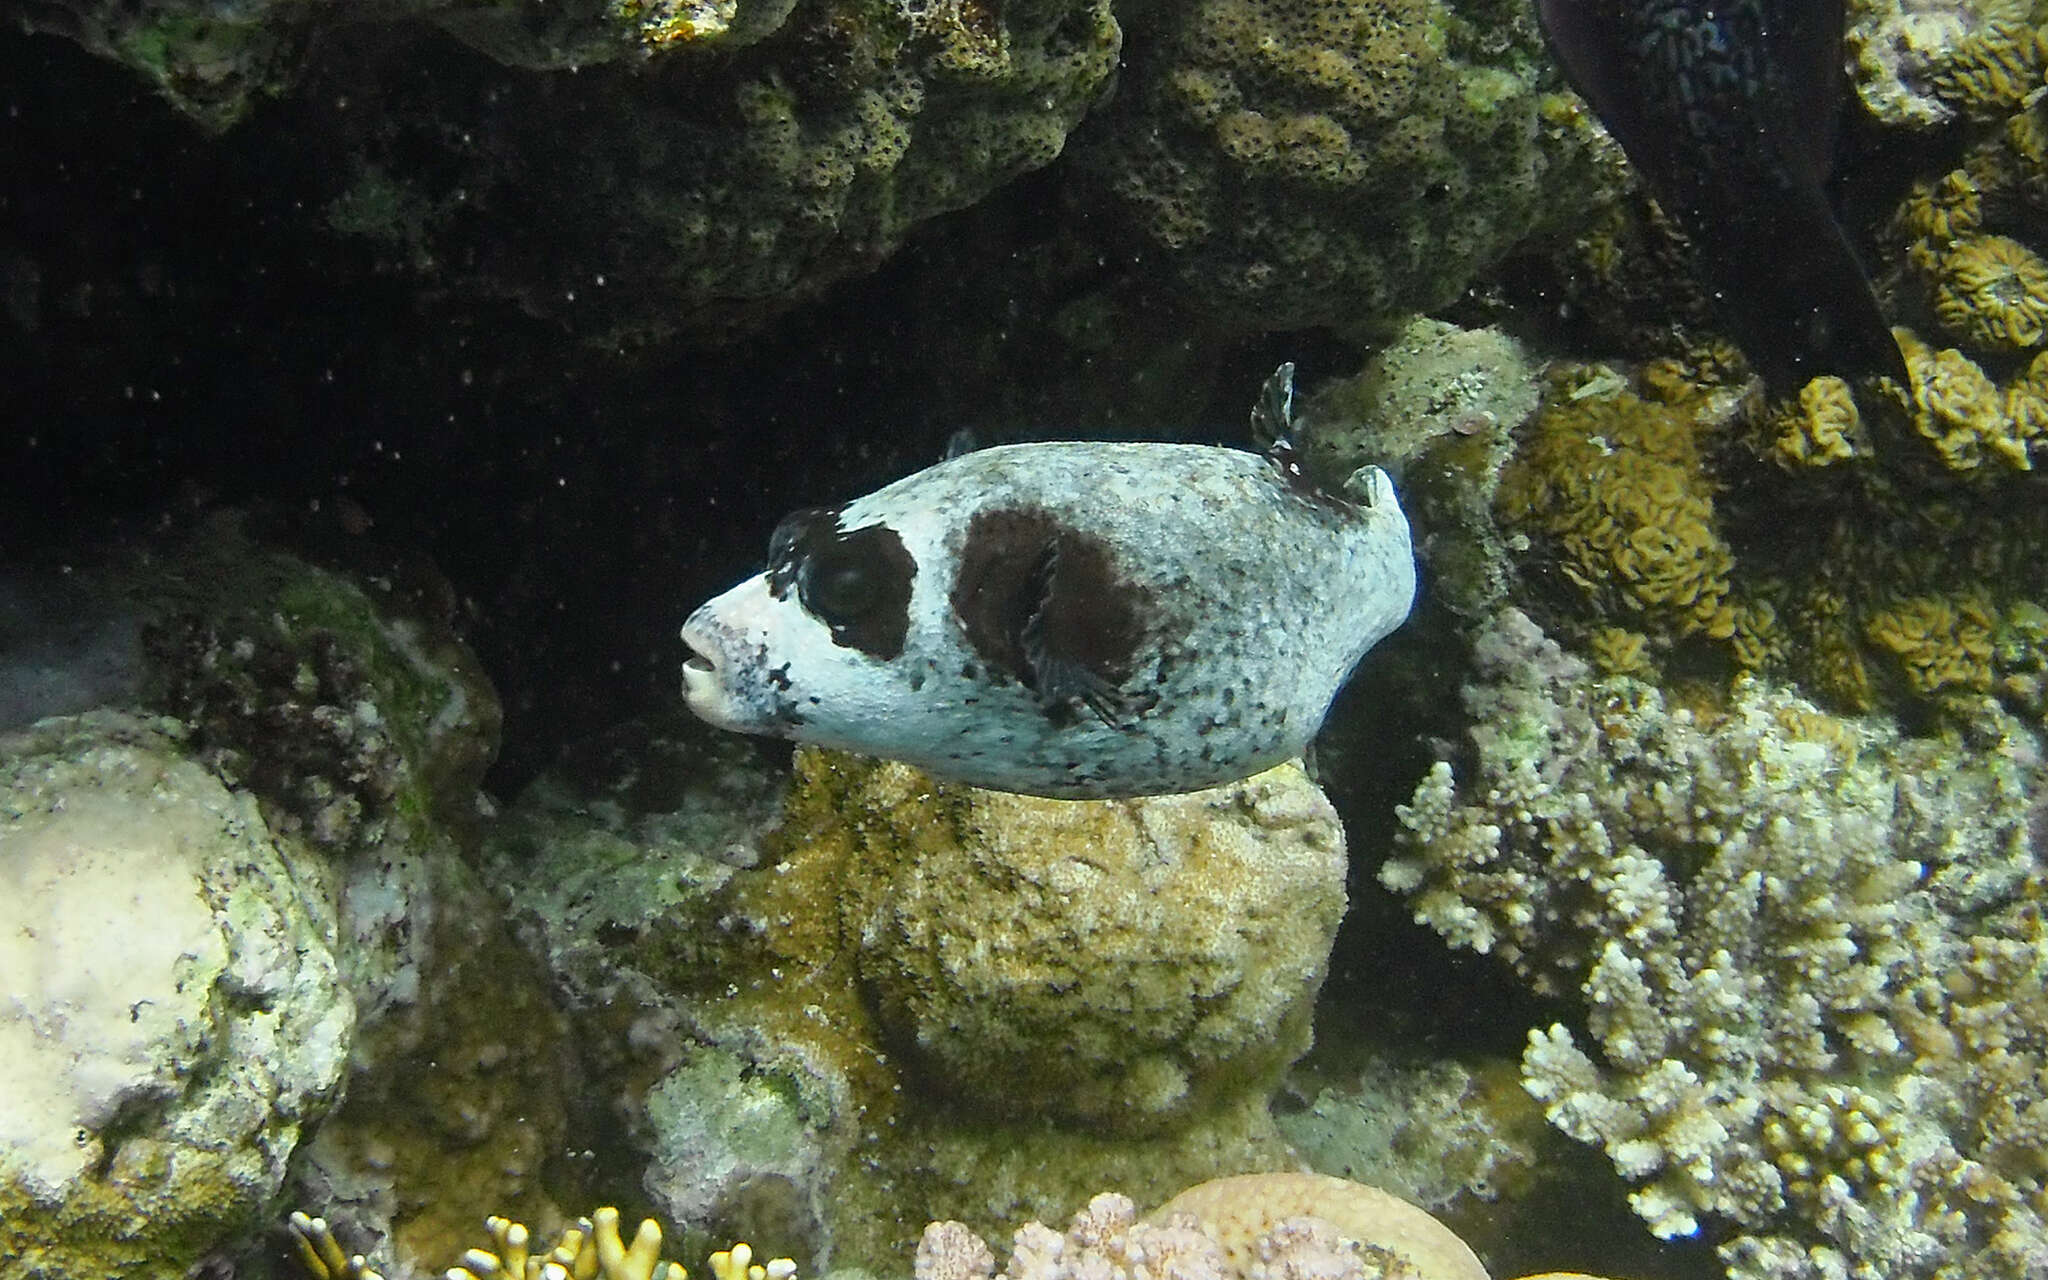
(176, 1016)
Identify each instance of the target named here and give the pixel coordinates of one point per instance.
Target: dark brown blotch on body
(1025, 577)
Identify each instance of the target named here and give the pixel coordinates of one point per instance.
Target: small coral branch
(593, 1249)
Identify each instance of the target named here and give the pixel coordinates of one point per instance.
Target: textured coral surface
(173, 1015)
(1806, 952)
(1299, 162)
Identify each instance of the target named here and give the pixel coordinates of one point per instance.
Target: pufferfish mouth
(703, 687)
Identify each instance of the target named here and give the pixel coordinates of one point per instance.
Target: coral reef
(175, 1016)
(702, 166)
(354, 715)
(1922, 65)
(765, 1027)
(1438, 407)
(1806, 953)
(1299, 162)
(1172, 948)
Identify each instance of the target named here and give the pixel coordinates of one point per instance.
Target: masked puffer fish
(1077, 620)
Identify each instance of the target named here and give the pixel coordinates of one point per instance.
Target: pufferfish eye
(838, 584)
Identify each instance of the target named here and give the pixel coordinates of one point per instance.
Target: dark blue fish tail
(1728, 109)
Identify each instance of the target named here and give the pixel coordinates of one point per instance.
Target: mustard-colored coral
(1992, 291)
(1621, 652)
(1818, 426)
(1942, 210)
(592, 1249)
(1169, 947)
(1615, 483)
(1992, 71)
(321, 1256)
(1959, 410)
(1941, 645)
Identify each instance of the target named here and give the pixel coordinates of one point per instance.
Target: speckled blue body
(1064, 619)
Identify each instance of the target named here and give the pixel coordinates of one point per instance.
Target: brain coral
(1304, 162)
(1807, 952)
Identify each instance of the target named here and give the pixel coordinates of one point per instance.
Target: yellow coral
(1941, 645)
(666, 22)
(1959, 410)
(321, 1255)
(1991, 72)
(1621, 652)
(1819, 426)
(1992, 291)
(1758, 641)
(2026, 402)
(1944, 210)
(1616, 482)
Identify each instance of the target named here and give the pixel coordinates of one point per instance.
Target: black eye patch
(857, 583)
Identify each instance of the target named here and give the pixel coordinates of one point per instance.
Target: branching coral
(1276, 1226)
(1805, 950)
(592, 1249)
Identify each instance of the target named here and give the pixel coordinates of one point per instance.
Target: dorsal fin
(1273, 411)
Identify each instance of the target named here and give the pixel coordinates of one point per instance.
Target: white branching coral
(1806, 948)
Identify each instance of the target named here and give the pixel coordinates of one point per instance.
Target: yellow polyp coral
(1758, 641)
(1959, 410)
(1991, 72)
(1818, 426)
(1942, 645)
(1992, 291)
(1615, 483)
(2026, 402)
(1943, 210)
(1621, 652)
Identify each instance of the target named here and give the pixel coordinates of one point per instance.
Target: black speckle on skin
(856, 582)
(1086, 611)
(778, 678)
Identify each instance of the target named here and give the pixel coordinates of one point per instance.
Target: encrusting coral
(1331, 161)
(1269, 1226)
(1807, 953)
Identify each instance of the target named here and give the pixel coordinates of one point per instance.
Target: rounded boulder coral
(1113, 963)
(1328, 161)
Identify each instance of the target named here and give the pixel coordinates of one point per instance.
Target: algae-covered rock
(628, 171)
(1437, 406)
(173, 1014)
